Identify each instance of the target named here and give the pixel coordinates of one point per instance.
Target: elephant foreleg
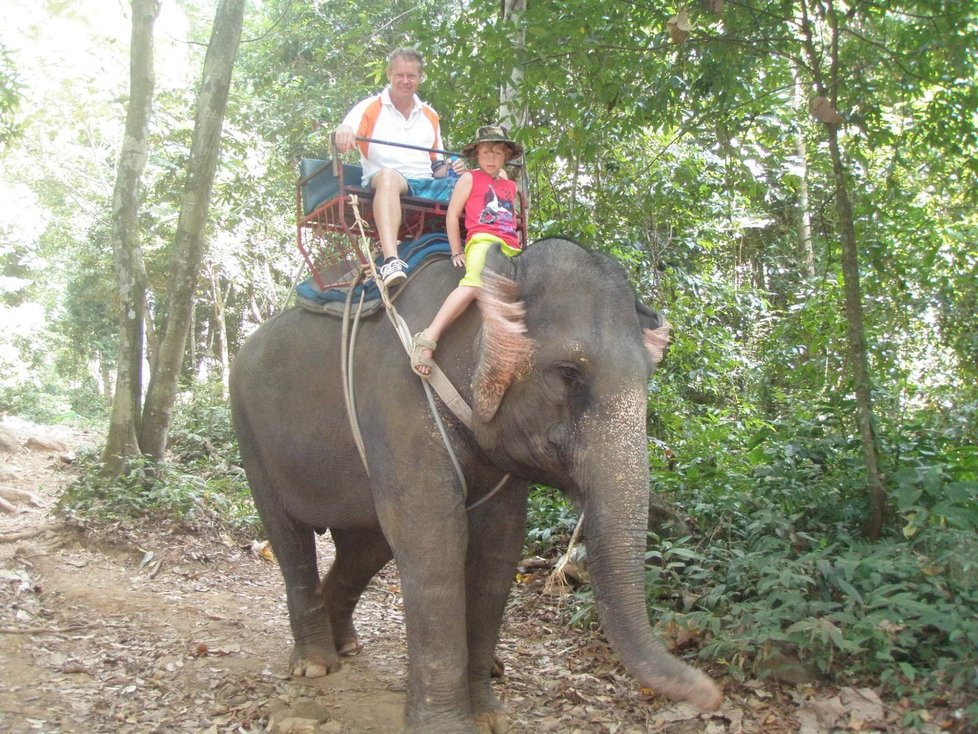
(496, 534)
(360, 554)
(428, 535)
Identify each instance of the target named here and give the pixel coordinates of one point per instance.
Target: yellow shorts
(476, 250)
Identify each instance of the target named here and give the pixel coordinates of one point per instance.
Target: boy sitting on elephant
(487, 198)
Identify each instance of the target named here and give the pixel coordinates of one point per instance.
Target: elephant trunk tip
(697, 688)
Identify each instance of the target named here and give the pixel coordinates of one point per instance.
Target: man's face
(404, 77)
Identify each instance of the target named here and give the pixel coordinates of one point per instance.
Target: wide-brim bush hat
(493, 134)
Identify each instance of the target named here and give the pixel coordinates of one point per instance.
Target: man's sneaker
(392, 273)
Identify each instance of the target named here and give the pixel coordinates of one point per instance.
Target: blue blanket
(413, 252)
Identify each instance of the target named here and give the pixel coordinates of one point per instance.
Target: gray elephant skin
(555, 365)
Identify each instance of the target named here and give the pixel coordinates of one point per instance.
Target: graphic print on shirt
(497, 213)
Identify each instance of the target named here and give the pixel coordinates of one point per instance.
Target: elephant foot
(492, 722)
(345, 637)
(490, 714)
(313, 665)
(444, 727)
(349, 648)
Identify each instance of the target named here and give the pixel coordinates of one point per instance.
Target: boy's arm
(456, 205)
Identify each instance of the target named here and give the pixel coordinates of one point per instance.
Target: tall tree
(513, 111)
(191, 227)
(824, 107)
(121, 444)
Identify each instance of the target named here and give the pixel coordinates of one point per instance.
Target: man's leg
(388, 186)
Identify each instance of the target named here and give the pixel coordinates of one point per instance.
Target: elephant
(555, 363)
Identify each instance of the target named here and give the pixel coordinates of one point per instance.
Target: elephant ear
(505, 348)
(655, 329)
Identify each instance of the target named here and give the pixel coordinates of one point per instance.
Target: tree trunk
(805, 247)
(189, 250)
(828, 115)
(857, 343)
(220, 332)
(190, 349)
(121, 443)
(512, 114)
(151, 343)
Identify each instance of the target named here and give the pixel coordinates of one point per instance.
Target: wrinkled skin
(558, 395)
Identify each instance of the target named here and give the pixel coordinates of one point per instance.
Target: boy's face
(492, 157)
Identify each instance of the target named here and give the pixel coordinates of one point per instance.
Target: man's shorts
(439, 189)
(476, 250)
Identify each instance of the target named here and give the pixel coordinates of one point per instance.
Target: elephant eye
(569, 372)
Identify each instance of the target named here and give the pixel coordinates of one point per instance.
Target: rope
(404, 333)
(348, 349)
(495, 490)
(346, 364)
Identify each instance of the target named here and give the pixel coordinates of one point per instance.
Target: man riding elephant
(397, 115)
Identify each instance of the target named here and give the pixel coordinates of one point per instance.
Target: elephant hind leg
(360, 554)
(294, 542)
(314, 654)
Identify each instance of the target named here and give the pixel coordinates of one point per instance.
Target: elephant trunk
(616, 524)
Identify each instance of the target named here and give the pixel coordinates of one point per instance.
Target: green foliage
(202, 436)
(550, 521)
(11, 94)
(892, 611)
(200, 485)
(937, 485)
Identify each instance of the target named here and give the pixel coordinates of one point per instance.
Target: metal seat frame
(328, 236)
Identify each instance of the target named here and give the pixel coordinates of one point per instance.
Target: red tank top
(491, 208)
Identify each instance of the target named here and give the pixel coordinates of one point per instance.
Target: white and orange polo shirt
(377, 117)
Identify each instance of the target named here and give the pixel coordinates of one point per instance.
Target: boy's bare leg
(453, 307)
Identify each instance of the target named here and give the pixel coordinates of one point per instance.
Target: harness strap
(437, 380)
(448, 393)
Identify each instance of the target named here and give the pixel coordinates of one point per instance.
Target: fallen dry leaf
(262, 549)
(864, 706)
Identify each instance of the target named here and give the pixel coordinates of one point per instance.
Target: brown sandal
(418, 358)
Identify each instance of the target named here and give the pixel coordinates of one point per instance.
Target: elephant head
(570, 410)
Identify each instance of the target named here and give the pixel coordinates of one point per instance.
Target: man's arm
(345, 135)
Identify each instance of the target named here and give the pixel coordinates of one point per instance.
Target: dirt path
(174, 633)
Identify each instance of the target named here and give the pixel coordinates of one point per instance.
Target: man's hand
(344, 138)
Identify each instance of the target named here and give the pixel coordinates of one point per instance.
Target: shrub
(200, 484)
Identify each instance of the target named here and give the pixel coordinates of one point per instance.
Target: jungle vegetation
(791, 182)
